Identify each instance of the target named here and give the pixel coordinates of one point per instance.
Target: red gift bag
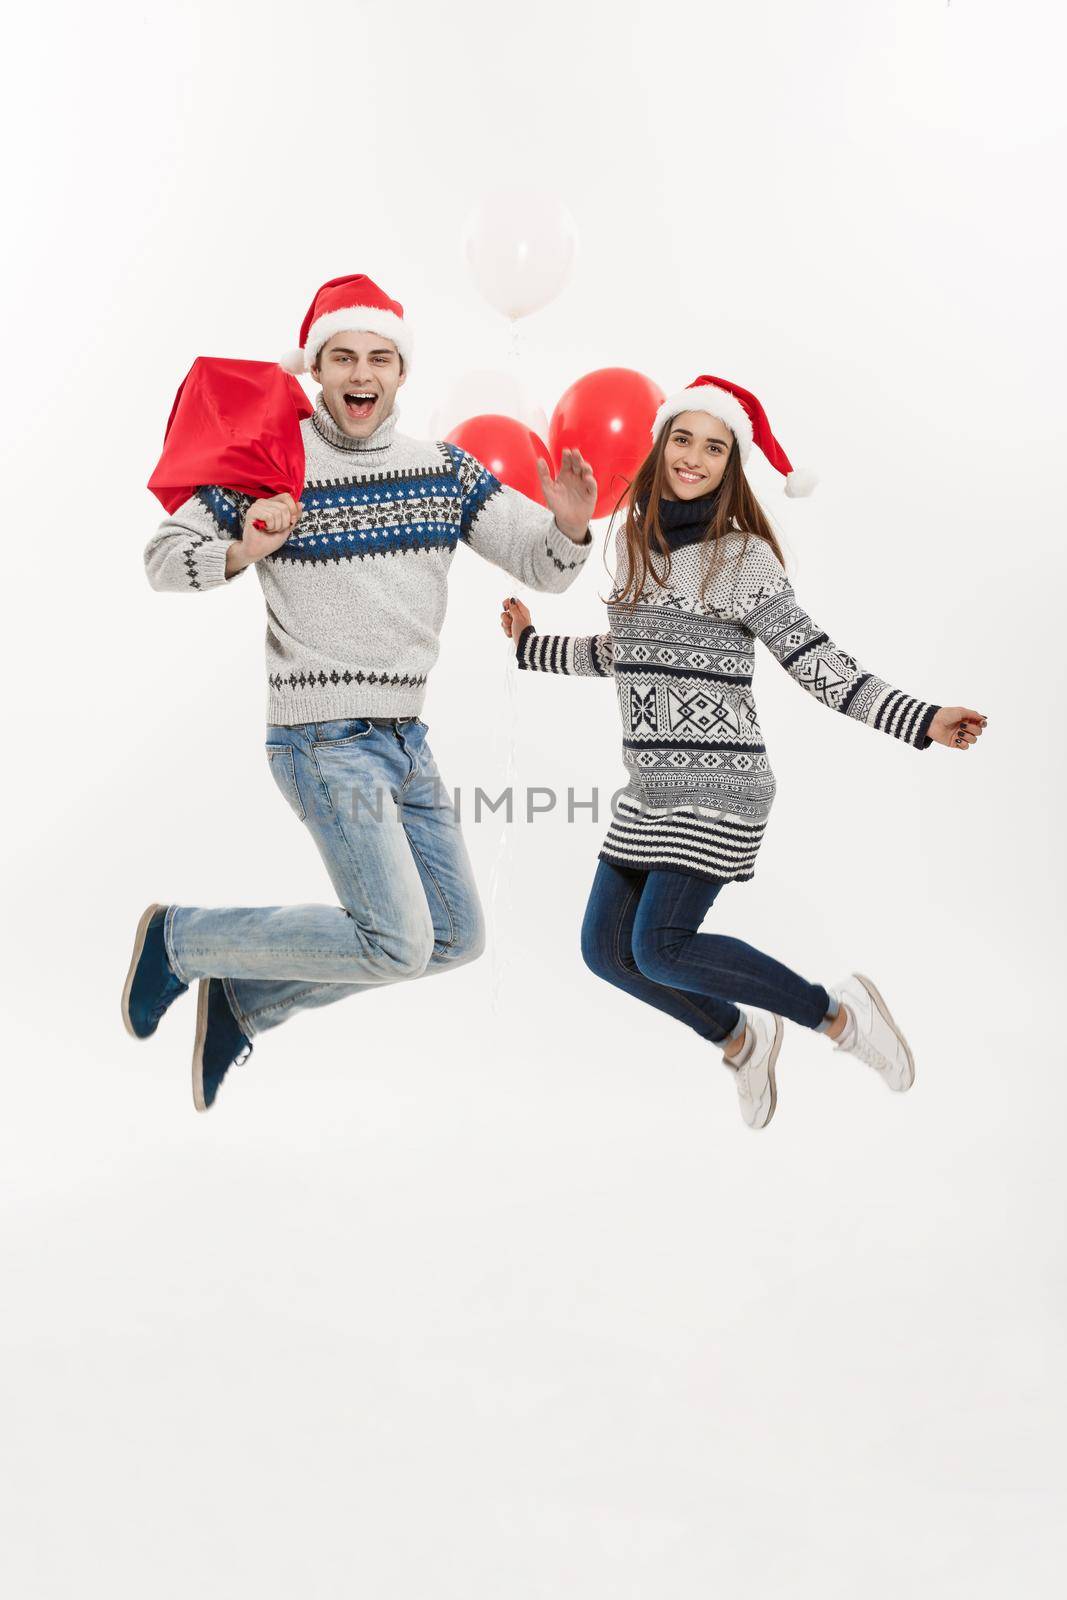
(235, 424)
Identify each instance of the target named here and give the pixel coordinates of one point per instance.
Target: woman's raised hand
(514, 618)
(957, 727)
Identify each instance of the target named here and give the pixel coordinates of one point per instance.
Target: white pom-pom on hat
(292, 361)
(800, 483)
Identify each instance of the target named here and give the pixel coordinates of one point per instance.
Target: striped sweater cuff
(576, 655)
(905, 718)
(523, 644)
(544, 652)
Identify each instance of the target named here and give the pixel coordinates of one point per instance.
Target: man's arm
(527, 540)
(201, 547)
(190, 550)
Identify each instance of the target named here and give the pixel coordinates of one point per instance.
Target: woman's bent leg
(668, 949)
(607, 949)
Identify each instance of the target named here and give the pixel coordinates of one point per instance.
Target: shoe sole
(198, 1045)
(779, 1034)
(127, 988)
(887, 1017)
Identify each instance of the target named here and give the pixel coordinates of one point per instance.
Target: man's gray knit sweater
(356, 595)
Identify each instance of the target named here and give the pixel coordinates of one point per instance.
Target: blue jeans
(640, 934)
(370, 793)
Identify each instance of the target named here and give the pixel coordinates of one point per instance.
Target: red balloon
(608, 416)
(508, 448)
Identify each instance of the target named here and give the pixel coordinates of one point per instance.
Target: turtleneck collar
(327, 429)
(686, 521)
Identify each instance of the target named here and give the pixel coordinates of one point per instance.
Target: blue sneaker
(218, 1045)
(151, 983)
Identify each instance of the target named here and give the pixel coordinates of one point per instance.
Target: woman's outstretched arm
(579, 655)
(767, 605)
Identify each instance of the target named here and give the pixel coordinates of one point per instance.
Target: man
(355, 582)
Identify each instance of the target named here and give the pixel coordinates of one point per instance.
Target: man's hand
(571, 495)
(280, 513)
(957, 727)
(514, 618)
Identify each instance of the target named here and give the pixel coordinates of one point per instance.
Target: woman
(699, 579)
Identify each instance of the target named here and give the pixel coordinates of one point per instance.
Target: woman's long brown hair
(736, 511)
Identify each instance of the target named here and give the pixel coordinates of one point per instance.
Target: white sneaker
(876, 1039)
(756, 1091)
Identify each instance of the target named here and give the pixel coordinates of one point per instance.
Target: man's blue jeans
(376, 806)
(640, 933)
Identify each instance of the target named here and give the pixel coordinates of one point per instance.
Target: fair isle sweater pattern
(356, 595)
(699, 783)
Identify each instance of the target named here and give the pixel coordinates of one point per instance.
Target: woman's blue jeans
(640, 934)
(407, 905)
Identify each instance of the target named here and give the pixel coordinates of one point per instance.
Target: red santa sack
(235, 424)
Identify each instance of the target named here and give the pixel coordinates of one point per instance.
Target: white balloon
(520, 247)
(487, 391)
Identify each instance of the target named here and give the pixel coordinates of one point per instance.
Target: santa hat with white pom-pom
(746, 420)
(353, 304)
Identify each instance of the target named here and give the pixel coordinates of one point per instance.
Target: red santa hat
(746, 420)
(353, 304)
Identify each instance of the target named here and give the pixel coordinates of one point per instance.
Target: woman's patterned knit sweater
(700, 785)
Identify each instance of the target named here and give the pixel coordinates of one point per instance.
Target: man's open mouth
(359, 403)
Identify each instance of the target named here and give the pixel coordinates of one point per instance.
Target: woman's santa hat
(353, 304)
(746, 420)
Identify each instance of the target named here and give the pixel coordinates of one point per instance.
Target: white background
(480, 1288)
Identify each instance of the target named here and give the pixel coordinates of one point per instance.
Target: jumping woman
(699, 578)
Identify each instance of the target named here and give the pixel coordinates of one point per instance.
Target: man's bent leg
(440, 855)
(380, 932)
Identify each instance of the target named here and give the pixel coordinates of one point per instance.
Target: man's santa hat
(353, 304)
(746, 420)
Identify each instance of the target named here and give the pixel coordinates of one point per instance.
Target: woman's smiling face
(695, 455)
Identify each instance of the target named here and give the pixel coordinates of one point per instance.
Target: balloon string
(499, 897)
(513, 353)
(503, 875)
